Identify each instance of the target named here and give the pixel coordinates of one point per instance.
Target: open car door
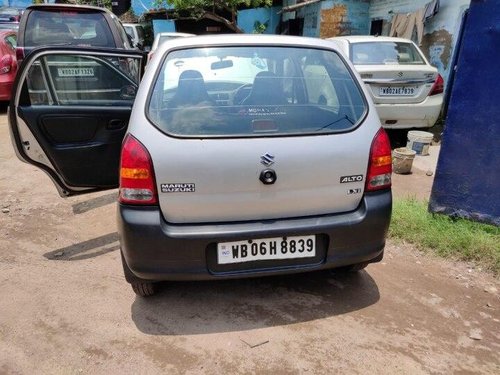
(70, 111)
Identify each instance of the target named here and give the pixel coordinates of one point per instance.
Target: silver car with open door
(243, 155)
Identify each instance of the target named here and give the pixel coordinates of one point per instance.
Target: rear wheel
(141, 287)
(352, 268)
(357, 267)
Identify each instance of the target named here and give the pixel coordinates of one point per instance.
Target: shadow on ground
(93, 203)
(184, 308)
(87, 249)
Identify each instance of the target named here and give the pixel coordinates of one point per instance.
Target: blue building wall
(248, 17)
(17, 3)
(467, 181)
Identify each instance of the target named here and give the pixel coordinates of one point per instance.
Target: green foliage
(447, 237)
(213, 9)
(259, 28)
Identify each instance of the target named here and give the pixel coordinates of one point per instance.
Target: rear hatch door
(296, 112)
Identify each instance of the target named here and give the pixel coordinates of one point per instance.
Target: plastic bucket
(419, 141)
(402, 160)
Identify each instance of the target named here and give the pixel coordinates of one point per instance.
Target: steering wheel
(241, 93)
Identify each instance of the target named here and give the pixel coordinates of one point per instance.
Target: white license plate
(266, 249)
(398, 91)
(75, 72)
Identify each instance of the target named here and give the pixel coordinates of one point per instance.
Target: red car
(8, 63)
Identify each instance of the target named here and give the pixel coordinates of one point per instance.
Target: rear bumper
(156, 250)
(416, 115)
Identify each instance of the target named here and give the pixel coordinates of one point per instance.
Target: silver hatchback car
(236, 155)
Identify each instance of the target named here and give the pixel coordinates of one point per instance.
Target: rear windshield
(380, 53)
(67, 27)
(254, 91)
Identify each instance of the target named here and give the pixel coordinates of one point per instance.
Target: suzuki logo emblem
(267, 159)
(400, 74)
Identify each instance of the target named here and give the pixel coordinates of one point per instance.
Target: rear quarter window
(49, 27)
(254, 91)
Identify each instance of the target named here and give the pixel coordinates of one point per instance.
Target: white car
(136, 33)
(163, 37)
(406, 89)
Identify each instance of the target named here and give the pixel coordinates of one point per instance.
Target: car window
(67, 27)
(67, 79)
(129, 30)
(11, 41)
(254, 91)
(140, 32)
(377, 53)
(121, 31)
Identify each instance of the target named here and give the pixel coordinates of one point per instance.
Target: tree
(214, 9)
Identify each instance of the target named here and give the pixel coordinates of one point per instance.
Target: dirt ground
(65, 307)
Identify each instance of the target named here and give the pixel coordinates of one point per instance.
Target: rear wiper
(345, 117)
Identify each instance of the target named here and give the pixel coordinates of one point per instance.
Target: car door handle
(116, 124)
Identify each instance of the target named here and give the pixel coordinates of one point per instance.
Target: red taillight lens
(380, 163)
(6, 64)
(438, 86)
(137, 183)
(19, 53)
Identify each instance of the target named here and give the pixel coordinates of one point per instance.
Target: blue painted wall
(17, 3)
(467, 181)
(248, 17)
(163, 26)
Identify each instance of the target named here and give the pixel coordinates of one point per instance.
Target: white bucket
(402, 160)
(419, 141)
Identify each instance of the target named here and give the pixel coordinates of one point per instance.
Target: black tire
(357, 267)
(352, 268)
(143, 289)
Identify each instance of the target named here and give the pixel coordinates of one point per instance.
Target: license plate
(75, 72)
(398, 91)
(266, 249)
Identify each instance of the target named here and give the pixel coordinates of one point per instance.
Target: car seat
(191, 90)
(266, 90)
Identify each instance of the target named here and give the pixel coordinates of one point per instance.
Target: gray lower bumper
(156, 250)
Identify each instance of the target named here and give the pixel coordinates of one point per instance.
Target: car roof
(249, 39)
(171, 33)
(370, 38)
(67, 6)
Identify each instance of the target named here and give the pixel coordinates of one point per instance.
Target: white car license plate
(266, 249)
(75, 72)
(398, 91)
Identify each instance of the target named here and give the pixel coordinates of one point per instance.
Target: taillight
(19, 53)
(137, 183)
(380, 163)
(6, 64)
(438, 86)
